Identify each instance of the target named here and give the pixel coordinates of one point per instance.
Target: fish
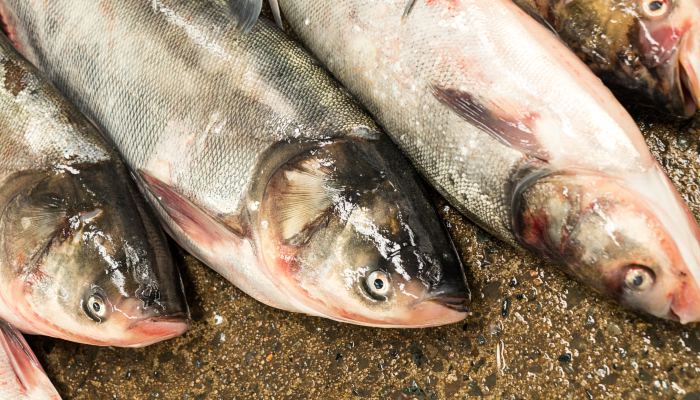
(256, 160)
(519, 135)
(21, 374)
(647, 50)
(82, 257)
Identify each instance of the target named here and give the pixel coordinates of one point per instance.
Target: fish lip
(456, 303)
(157, 329)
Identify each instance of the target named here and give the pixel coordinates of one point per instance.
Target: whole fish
(81, 258)
(648, 48)
(257, 161)
(21, 374)
(519, 135)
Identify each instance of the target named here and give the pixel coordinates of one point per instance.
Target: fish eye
(639, 278)
(377, 284)
(96, 307)
(655, 8)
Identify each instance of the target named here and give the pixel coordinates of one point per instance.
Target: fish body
(21, 374)
(646, 49)
(257, 161)
(81, 256)
(519, 135)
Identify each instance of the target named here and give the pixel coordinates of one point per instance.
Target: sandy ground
(532, 333)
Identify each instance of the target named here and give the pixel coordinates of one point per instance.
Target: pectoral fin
(514, 129)
(408, 8)
(303, 200)
(246, 12)
(23, 362)
(199, 226)
(276, 13)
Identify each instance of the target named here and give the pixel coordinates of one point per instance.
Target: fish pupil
(638, 280)
(656, 5)
(378, 284)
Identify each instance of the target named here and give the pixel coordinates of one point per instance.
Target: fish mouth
(456, 303)
(152, 330)
(684, 306)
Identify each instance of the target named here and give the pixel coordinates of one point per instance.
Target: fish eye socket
(377, 284)
(655, 8)
(639, 278)
(96, 307)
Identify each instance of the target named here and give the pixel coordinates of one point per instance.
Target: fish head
(669, 45)
(610, 235)
(87, 262)
(349, 230)
(639, 46)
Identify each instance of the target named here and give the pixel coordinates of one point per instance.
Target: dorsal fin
(510, 129)
(246, 13)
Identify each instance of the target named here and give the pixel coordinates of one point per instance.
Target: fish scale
(257, 161)
(519, 135)
(643, 49)
(169, 114)
(70, 225)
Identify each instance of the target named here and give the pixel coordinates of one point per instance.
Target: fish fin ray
(199, 225)
(276, 13)
(36, 230)
(409, 7)
(513, 131)
(23, 362)
(246, 13)
(304, 202)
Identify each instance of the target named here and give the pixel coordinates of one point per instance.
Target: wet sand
(531, 333)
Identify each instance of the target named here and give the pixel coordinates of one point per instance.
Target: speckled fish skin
(257, 161)
(647, 49)
(21, 374)
(519, 135)
(81, 256)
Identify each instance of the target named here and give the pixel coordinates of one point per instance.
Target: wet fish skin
(81, 256)
(647, 49)
(21, 374)
(287, 188)
(519, 135)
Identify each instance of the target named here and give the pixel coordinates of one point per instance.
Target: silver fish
(81, 257)
(646, 49)
(519, 135)
(21, 374)
(257, 161)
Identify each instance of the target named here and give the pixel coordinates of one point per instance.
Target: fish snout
(162, 303)
(685, 304)
(453, 295)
